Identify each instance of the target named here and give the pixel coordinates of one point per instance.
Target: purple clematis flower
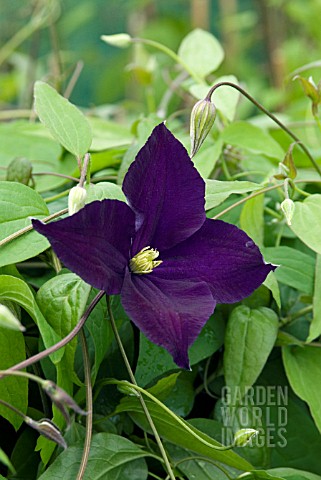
(170, 263)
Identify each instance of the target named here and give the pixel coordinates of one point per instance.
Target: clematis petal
(223, 256)
(165, 191)
(94, 243)
(170, 313)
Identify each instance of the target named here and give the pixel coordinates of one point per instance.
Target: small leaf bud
(287, 207)
(19, 170)
(8, 319)
(77, 199)
(121, 40)
(202, 119)
(48, 429)
(244, 436)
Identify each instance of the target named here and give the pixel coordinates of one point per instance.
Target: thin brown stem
(74, 78)
(45, 353)
(54, 174)
(89, 407)
(24, 230)
(269, 114)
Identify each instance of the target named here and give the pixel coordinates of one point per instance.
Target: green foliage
(249, 339)
(109, 455)
(64, 121)
(202, 52)
(18, 203)
(269, 341)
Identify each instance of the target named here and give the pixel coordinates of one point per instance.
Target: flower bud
(121, 40)
(19, 170)
(77, 199)
(202, 119)
(311, 90)
(48, 429)
(287, 207)
(128, 390)
(8, 319)
(61, 399)
(244, 436)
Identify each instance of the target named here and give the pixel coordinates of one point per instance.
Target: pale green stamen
(144, 261)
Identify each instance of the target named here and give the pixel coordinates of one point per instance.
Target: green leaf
(6, 461)
(62, 301)
(111, 456)
(100, 333)
(33, 142)
(252, 138)
(206, 158)
(217, 191)
(199, 468)
(224, 98)
(306, 221)
(17, 204)
(296, 269)
(303, 369)
(175, 433)
(103, 190)
(262, 475)
(164, 386)
(13, 390)
(108, 134)
(201, 51)
(272, 284)
(16, 290)
(249, 339)
(293, 474)
(252, 219)
(315, 326)
(154, 361)
(65, 122)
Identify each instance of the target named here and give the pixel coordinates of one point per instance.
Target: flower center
(144, 261)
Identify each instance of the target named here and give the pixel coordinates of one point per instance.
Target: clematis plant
(170, 263)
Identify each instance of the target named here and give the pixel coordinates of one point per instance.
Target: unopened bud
(202, 119)
(287, 207)
(19, 170)
(77, 199)
(121, 40)
(244, 436)
(311, 90)
(128, 390)
(61, 399)
(8, 319)
(48, 429)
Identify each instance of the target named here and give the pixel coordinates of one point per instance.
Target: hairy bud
(77, 199)
(288, 207)
(61, 399)
(121, 40)
(202, 119)
(19, 170)
(9, 320)
(47, 429)
(244, 436)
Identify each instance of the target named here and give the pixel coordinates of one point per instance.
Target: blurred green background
(264, 40)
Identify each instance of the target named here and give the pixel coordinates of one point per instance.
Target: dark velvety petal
(165, 191)
(170, 313)
(94, 243)
(223, 256)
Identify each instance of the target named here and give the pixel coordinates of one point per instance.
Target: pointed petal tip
(38, 225)
(182, 361)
